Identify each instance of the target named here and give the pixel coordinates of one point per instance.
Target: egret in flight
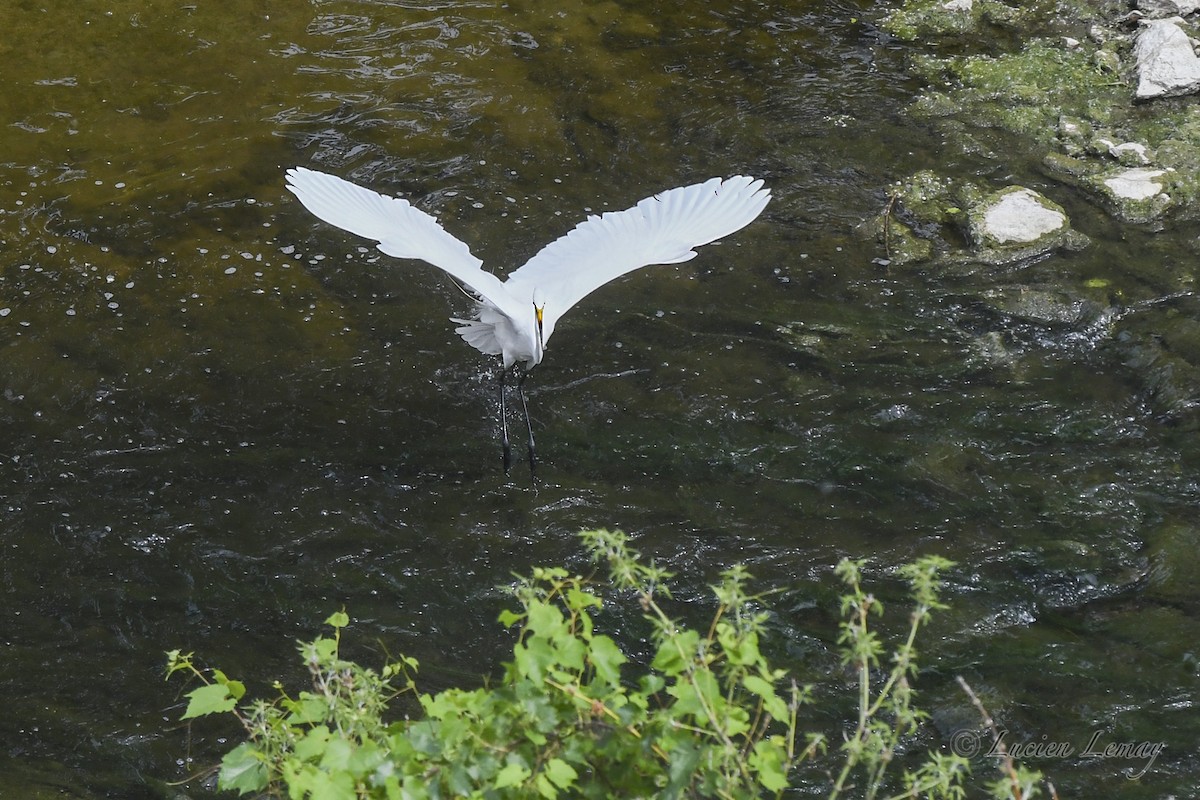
(515, 318)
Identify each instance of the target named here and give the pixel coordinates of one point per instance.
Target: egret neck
(539, 341)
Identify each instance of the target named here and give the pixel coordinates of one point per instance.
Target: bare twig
(1008, 765)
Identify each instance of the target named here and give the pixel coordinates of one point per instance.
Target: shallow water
(226, 420)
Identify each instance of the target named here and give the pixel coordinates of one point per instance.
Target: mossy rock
(944, 19)
(1018, 223)
(929, 197)
(921, 209)
(1058, 83)
(902, 245)
(1014, 224)
(1027, 92)
(924, 19)
(1133, 194)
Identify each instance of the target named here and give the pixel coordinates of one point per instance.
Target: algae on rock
(926, 19)
(1025, 92)
(1070, 101)
(930, 216)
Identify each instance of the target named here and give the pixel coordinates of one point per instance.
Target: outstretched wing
(400, 229)
(662, 229)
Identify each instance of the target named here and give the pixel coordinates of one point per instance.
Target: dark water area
(224, 420)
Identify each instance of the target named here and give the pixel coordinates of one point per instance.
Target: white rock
(1136, 149)
(1136, 184)
(958, 5)
(1166, 64)
(1021, 217)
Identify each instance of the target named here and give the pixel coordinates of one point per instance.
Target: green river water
(224, 420)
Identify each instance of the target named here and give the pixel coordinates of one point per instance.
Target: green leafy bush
(708, 717)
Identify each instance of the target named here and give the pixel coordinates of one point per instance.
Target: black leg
(528, 424)
(506, 454)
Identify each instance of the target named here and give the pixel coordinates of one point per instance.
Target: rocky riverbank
(1104, 97)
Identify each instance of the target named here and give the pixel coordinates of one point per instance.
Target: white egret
(515, 318)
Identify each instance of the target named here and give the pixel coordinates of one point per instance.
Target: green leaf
(607, 659)
(669, 660)
(510, 618)
(545, 787)
(337, 755)
(312, 745)
(571, 651)
(513, 774)
(684, 759)
(309, 782)
(560, 773)
(695, 696)
(771, 701)
(534, 659)
(767, 761)
(338, 619)
(651, 684)
(178, 661)
(325, 649)
(545, 620)
(549, 574)
(309, 709)
(212, 699)
(578, 599)
(237, 689)
(242, 769)
(739, 649)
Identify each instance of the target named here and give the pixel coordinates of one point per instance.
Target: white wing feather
(662, 229)
(400, 229)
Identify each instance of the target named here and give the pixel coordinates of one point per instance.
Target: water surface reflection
(224, 420)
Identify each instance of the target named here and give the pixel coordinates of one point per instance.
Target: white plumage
(515, 318)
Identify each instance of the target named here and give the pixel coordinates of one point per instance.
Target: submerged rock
(901, 243)
(1166, 64)
(1171, 384)
(1046, 305)
(1174, 551)
(991, 350)
(924, 19)
(909, 229)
